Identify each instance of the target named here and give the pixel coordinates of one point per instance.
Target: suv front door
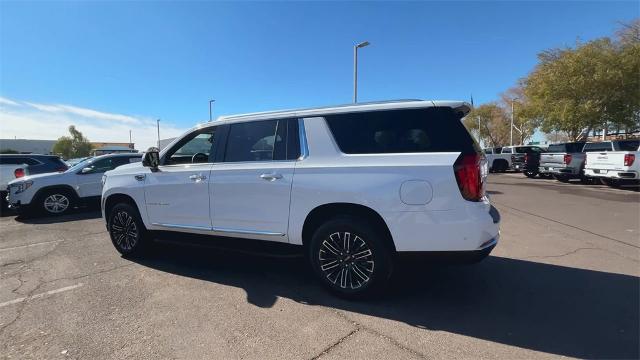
(251, 188)
(177, 194)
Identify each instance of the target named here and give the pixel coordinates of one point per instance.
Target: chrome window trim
(219, 229)
(304, 148)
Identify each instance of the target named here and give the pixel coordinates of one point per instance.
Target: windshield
(79, 165)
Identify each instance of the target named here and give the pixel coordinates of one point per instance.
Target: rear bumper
(612, 174)
(448, 257)
(565, 171)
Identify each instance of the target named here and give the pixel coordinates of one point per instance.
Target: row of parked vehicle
(47, 185)
(611, 162)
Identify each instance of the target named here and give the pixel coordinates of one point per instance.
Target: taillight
(468, 171)
(19, 172)
(567, 159)
(629, 159)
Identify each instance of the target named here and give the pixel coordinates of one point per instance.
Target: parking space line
(41, 295)
(30, 245)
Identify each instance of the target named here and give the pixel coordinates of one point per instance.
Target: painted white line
(30, 245)
(41, 295)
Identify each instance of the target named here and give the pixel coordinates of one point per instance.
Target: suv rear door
(251, 186)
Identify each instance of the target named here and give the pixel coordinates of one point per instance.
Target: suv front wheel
(127, 232)
(349, 258)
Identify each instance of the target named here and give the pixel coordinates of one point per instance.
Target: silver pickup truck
(563, 161)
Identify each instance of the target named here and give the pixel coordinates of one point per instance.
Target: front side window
(196, 148)
(256, 141)
(100, 166)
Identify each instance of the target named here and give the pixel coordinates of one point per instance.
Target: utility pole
(512, 116)
(210, 102)
(355, 69)
(158, 125)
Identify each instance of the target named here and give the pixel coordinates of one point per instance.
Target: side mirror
(86, 170)
(151, 158)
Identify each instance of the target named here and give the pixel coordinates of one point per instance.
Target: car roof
(461, 106)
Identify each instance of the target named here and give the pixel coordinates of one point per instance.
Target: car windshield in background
(631, 145)
(79, 165)
(601, 146)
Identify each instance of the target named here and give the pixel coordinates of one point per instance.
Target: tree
(8, 151)
(525, 118)
(494, 124)
(592, 86)
(73, 146)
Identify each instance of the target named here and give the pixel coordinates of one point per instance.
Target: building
(29, 146)
(112, 149)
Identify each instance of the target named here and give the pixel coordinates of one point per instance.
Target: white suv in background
(58, 193)
(355, 185)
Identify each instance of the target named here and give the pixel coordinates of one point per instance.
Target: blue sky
(110, 66)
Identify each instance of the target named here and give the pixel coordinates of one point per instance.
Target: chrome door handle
(140, 177)
(271, 177)
(195, 177)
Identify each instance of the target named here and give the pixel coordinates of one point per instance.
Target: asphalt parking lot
(563, 281)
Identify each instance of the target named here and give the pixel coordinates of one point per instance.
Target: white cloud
(27, 120)
(5, 101)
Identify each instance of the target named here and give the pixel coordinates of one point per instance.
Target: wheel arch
(322, 213)
(118, 198)
(47, 189)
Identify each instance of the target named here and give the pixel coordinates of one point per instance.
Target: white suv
(355, 185)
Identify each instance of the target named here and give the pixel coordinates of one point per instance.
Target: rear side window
(56, 161)
(558, 148)
(256, 141)
(601, 146)
(631, 145)
(436, 129)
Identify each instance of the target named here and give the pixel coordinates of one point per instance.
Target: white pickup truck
(9, 172)
(497, 161)
(616, 167)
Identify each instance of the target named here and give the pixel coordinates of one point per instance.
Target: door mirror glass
(151, 158)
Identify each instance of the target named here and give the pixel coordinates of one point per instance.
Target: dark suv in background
(38, 164)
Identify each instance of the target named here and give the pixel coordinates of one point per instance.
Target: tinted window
(488, 151)
(293, 140)
(528, 149)
(631, 145)
(601, 146)
(401, 131)
(13, 160)
(558, 148)
(184, 152)
(256, 141)
(101, 166)
(506, 150)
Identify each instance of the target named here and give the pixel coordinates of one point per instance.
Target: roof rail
(320, 108)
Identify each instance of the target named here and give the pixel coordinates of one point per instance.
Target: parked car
(38, 164)
(356, 186)
(497, 161)
(9, 172)
(615, 167)
(57, 193)
(563, 161)
(517, 154)
(73, 161)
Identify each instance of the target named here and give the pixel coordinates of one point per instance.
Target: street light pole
(512, 116)
(355, 69)
(158, 125)
(210, 102)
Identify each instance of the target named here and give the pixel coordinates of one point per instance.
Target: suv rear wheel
(127, 232)
(349, 258)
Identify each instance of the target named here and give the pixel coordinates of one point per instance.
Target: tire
(346, 272)
(126, 230)
(564, 179)
(614, 183)
(55, 202)
(530, 174)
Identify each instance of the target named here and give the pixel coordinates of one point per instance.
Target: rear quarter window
(436, 129)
